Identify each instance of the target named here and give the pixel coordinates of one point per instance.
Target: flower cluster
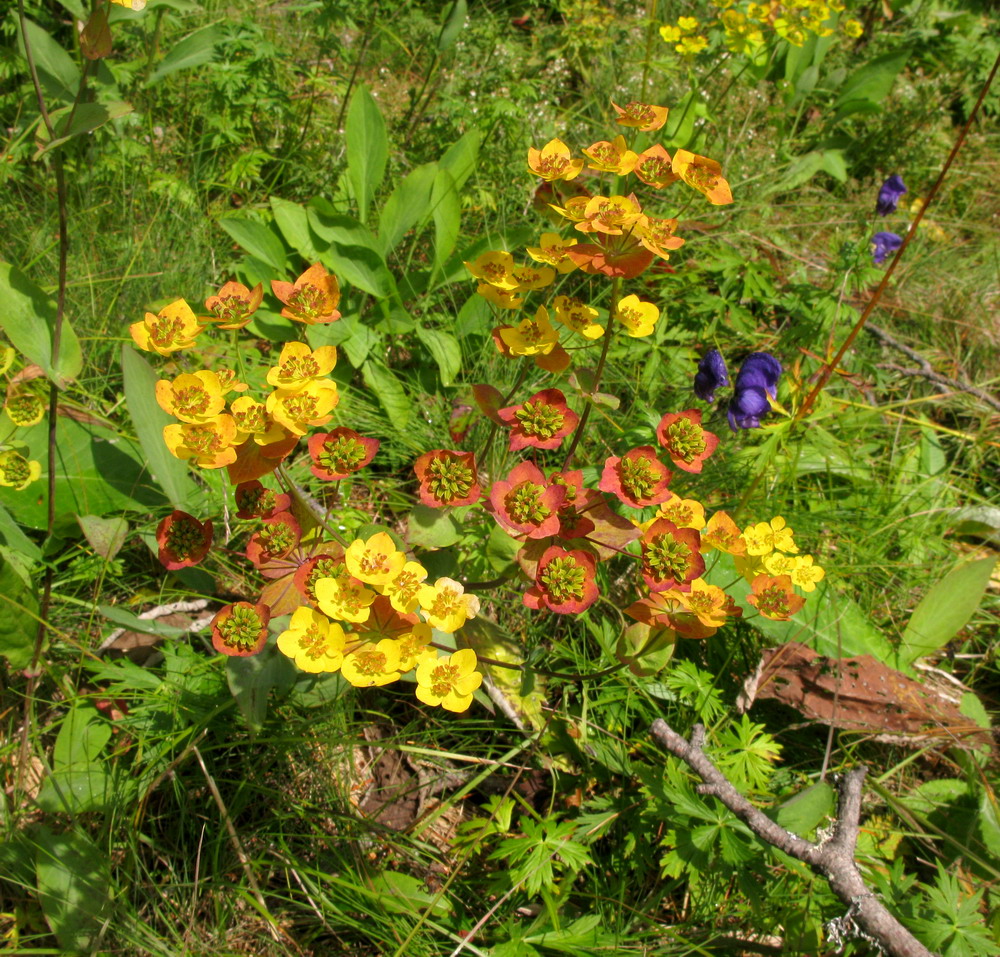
(754, 391)
(24, 405)
(745, 25)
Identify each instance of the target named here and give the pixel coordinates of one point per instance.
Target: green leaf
(392, 396)
(461, 157)
(86, 117)
(408, 204)
(446, 351)
(18, 616)
(944, 610)
(835, 165)
(446, 209)
(79, 781)
(362, 267)
(429, 527)
(404, 894)
(868, 86)
(145, 626)
(194, 50)
(251, 680)
(105, 535)
(169, 472)
(13, 539)
(452, 25)
(74, 886)
(29, 319)
(59, 75)
(803, 812)
(293, 221)
(258, 240)
(367, 149)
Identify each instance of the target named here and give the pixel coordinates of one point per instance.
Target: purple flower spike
(746, 407)
(883, 244)
(889, 195)
(711, 375)
(760, 370)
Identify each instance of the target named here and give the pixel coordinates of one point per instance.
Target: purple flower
(889, 196)
(756, 380)
(711, 375)
(883, 244)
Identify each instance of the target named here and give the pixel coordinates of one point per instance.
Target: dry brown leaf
(861, 694)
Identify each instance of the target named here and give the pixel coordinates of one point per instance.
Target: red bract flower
(312, 298)
(670, 556)
(627, 262)
(564, 582)
(183, 540)
(541, 422)
(686, 442)
(312, 570)
(774, 598)
(665, 610)
(525, 503)
(638, 478)
(384, 621)
(340, 453)
(234, 305)
(447, 478)
(276, 539)
(573, 523)
(240, 629)
(253, 500)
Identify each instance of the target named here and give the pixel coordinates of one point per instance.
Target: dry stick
(828, 369)
(234, 838)
(833, 859)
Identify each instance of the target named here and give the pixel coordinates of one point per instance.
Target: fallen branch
(833, 858)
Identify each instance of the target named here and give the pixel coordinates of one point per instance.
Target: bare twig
(833, 859)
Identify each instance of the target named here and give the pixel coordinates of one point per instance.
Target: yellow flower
(531, 337)
(228, 382)
(502, 298)
(610, 214)
(413, 647)
(298, 365)
(640, 116)
(24, 407)
(689, 46)
(16, 471)
(708, 603)
(806, 574)
(530, 277)
(639, 318)
(551, 250)
(670, 34)
(208, 444)
(344, 598)
(372, 664)
(305, 407)
(765, 537)
(403, 590)
(252, 419)
(449, 681)
(376, 561)
(553, 162)
(611, 157)
(131, 4)
(446, 606)
(853, 29)
(313, 642)
(191, 397)
(7, 357)
(704, 175)
(687, 24)
(778, 563)
(578, 316)
(495, 267)
(174, 327)
(683, 512)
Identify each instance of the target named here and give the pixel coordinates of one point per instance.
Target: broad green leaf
(79, 781)
(105, 535)
(367, 149)
(452, 26)
(359, 343)
(14, 540)
(18, 616)
(361, 267)
(59, 75)
(408, 204)
(258, 240)
(28, 317)
(251, 680)
(293, 221)
(447, 353)
(446, 210)
(868, 86)
(389, 390)
(336, 227)
(86, 118)
(74, 886)
(194, 50)
(804, 811)
(944, 610)
(831, 623)
(400, 893)
(835, 165)
(461, 157)
(172, 475)
(145, 626)
(432, 527)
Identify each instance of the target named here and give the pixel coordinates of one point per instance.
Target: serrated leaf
(367, 149)
(29, 317)
(258, 240)
(74, 885)
(172, 474)
(944, 610)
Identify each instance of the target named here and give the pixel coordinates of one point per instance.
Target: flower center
(539, 419)
(443, 679)
(524, 505)
(343, 454)
(252, 418)
(370, 663)
(449, 479)
(447, 602)
(665, 557)
(636, 112)
(772, 601)
(241, 629)
(203, 439)
(231, 309)
(637, 477)
(191, 400)
(685, 440)
(299, 367)
(165, 331)
(15, 468)
(563, 579)
(185, 539)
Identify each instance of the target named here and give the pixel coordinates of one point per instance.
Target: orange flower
(611, 157)
(704, 175)
(653, 167)
(208, 444)
(311, 405)
(551, 250)
(641, 116)
(191, 397)
(182, 540)
(724, 534)
(774, 598)
(234, 305)
(312, 298)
